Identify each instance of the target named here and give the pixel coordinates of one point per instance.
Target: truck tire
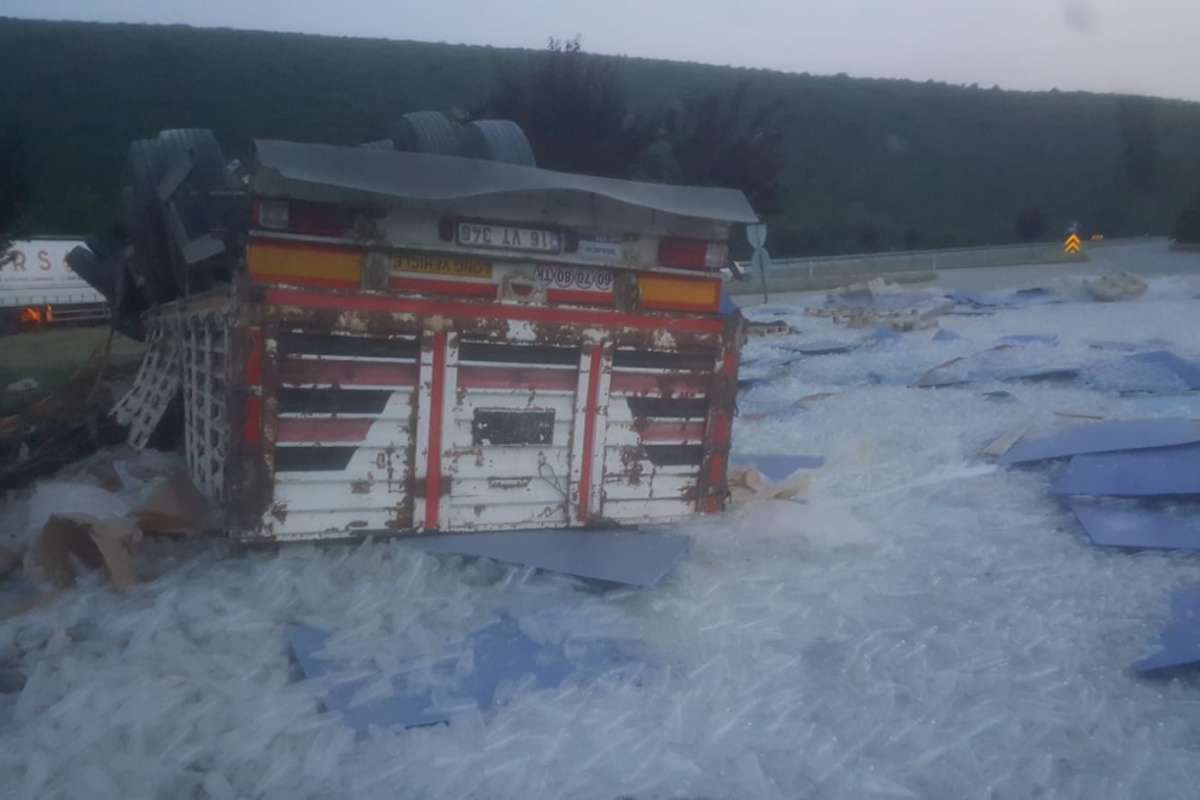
(425, 132)
(496, 140)
(158, 260)
(152, 263)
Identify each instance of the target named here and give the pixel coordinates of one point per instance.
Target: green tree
(1031, 224)
(573, 108)
(1187, 225)
(15, 189)
(725, 140)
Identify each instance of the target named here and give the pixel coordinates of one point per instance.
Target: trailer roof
(288, 168)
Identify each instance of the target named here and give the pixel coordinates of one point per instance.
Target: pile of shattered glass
(905, 600)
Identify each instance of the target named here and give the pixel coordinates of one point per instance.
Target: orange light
(304, 263)
(679, 294)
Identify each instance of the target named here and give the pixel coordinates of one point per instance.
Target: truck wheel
(496, 140)
(144, 222)
(425, 132)
(191, 198)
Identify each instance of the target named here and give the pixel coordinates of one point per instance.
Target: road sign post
(757, 236)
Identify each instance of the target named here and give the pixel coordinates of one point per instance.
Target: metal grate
(153, 389)
(204, 342)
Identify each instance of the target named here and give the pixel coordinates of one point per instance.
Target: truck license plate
(507, 237)
(441, 265)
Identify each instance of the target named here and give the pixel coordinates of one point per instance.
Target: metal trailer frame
(378, 364)
(313, 413)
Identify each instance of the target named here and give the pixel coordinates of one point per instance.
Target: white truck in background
(38, 288)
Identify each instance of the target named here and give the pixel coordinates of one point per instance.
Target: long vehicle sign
(508, 237)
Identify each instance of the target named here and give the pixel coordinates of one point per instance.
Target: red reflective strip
(462, 288)
(433, 471)
(589, 432)
(322, 430)
(580, 298)
(252, 367)
(660, 384)
(252, 414)
(347, 373)
(400, 305)
(517, 378)
(672, 431)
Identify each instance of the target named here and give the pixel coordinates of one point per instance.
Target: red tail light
(692, 253)
(301, 216)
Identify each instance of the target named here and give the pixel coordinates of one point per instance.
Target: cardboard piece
(1003, 443)
(500, 653)
(175, 507)
(68, 539)
(1106, 437)
(1123, 525)
(639, 558)
(1134, 473)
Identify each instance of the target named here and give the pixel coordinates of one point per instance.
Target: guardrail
(914, 260)
(828, 272)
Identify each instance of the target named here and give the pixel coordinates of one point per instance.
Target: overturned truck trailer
(409, 342)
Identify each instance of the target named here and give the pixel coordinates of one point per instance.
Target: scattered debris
(90, 541)
(774, 328)
(777, 468)
(175, 508)
(1030, 338)
(10, 560)
(1106, 437)
(1128, 347)
(418, 693)
(1111, 288)
(1133, 473)
(641, 558)
(1121, 524)
(1004, 442)
(822, 347)
(1186, 371)
(1180, 640)
(988, 367)
(992, 301)
(60, 428)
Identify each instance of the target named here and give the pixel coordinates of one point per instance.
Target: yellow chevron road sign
(1073, 244)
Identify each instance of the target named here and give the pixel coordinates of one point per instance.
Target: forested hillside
(868, 164)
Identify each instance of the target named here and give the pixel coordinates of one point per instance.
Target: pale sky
(1133, 46)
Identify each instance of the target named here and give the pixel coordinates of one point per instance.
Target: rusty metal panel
(342, 424)
(393, 415)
